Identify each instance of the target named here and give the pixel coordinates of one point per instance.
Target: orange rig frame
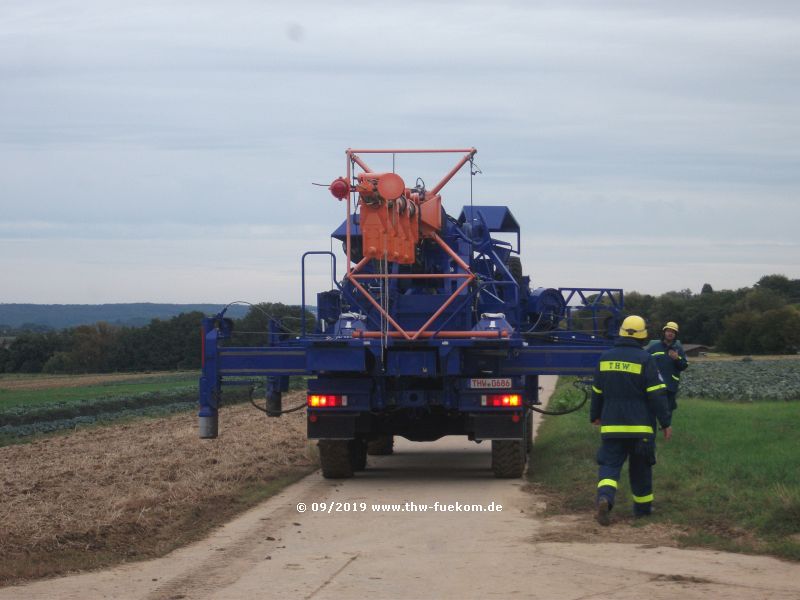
(392, 235)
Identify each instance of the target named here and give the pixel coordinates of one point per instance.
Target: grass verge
(728, 478)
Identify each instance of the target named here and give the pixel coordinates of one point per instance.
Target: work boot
(603, 509)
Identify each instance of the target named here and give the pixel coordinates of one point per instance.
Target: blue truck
(432, 330)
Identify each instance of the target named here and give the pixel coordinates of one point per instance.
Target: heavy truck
(432, 330)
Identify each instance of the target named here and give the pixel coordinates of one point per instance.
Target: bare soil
(109, 494)
(558, 525)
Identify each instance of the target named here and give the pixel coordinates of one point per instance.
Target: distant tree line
(163, 344)
(131, 314)
(762, 319)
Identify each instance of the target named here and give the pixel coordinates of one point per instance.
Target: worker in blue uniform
(671, 360)
(628, 401)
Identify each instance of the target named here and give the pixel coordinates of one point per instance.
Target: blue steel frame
(342, 359)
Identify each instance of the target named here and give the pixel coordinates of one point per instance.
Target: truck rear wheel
(381, 445)
(335, 458)
(358, 454)
(508, 458)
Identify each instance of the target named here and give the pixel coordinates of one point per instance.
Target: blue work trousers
(641, 454)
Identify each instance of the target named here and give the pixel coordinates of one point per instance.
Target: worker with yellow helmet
(628, 398)
(671, 360)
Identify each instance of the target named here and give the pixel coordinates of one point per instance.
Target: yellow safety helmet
(633, 327)
(671, 325)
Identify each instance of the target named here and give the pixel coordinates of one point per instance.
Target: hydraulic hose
(264, 410)
(580, 384)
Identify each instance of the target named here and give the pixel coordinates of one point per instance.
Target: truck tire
(381, 446)
(334, 456)
(508, 458)
(358, 454)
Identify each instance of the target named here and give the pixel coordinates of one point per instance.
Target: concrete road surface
(410, 527)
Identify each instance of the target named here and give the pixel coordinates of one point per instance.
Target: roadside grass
(729, 477)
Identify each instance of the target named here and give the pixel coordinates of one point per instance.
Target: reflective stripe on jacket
(670, 369)
(628, 393)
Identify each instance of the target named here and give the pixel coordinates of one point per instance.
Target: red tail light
(502, 400)
(326, 400)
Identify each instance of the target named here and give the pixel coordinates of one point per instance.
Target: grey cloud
(187, 120)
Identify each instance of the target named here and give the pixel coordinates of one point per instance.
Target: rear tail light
(326, 400)
(502, 400)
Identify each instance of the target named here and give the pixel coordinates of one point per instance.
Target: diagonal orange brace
(438, 187)
(358, 266)
(357, 159)
(352, 273)
(456, 258)
(469, 277)
(374, 303)
(442, 308)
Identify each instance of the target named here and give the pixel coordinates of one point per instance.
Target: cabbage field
(32, 404)
(23, 420)
(35, 404)
(743, 380)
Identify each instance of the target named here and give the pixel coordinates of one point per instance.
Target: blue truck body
(451, 343)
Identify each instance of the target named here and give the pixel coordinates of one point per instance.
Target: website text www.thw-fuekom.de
(397, 507)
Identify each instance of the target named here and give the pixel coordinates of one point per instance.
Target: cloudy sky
(165, 151)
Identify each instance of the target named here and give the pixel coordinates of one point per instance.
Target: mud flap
(496, 427)
(331, 427)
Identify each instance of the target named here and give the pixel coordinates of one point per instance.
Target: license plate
(484, 384)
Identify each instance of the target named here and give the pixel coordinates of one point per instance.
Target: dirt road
(390, 548)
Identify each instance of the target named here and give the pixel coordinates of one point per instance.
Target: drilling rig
(432, 330)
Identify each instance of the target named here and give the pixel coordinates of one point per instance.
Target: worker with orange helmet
(628, 397)
(671, 360)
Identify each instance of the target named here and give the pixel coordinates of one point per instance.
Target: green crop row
(46, 395)
(744, 380)
(25, 420)
(26, 414)
(11, 431)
